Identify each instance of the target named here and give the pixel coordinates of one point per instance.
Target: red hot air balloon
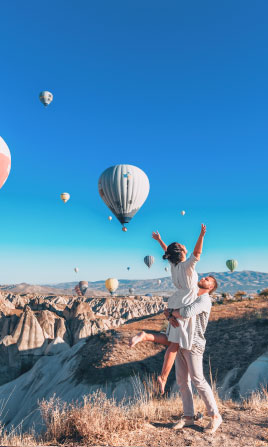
(5, 162)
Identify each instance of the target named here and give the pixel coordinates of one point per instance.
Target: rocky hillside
(68, 347)
(33, 326)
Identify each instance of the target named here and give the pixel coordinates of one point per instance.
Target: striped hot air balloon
(83, 285)
(124, 189)
(5, 162)
(149, 260)
(232, 264)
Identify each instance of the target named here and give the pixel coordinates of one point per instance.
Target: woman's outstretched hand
(156, 236)
(203, 229)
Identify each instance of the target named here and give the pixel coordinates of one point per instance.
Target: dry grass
(102, 420)
(257, 402)
(99, 420)
(17, 438)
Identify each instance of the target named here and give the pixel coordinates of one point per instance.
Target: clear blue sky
(177, 88)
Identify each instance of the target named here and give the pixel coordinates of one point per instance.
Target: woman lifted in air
(185, 279)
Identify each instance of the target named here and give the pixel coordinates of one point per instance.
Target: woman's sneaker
(213, 425)
(183, 422)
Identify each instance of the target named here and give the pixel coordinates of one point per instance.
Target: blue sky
(176, 88)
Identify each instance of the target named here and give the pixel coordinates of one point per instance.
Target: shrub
(239, 294)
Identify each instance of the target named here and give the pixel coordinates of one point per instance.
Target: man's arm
(156, 236)
(199, 245)
(201, 304)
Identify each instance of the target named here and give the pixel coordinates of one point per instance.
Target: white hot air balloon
(5, 162)
(110, 218)
(46, 98)
(182, 212)
(76, 269)
(159, 282)
(124, 189)
(65, 196)
(166, 268)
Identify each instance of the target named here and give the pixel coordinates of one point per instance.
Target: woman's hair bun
(173, 253)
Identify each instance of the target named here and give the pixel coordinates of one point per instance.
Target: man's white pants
(189, 367)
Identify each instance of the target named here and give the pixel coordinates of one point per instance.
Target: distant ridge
(246, 280)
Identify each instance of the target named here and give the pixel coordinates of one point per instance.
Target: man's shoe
(213, 425)
(183, 422)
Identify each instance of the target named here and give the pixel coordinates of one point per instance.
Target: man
(189, 363)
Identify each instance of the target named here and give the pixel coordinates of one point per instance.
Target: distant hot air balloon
(110, 218)
(5, 162)
(111, 284)
(124, 188)
(131, 290)
(76, 269)
(149, 260)
(128, 268)
(182, 213)
(46, 98)
(124, 229)
(232, 264)
(83, 285)
(65, 196)
(166, 268)
(159, 282)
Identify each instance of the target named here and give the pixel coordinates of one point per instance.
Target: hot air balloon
(159, 282)
(182, 213)
(232, 264)
(46, 98)
(5, 162)
(124, 189)
(166, 268)
(83, 285)
(65, 197)
(124, 229)
(128, 268)
(149, 260)
(131, 290)
(111, 284)
(76, 269)
(110, 218)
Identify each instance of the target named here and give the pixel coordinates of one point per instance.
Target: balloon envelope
(166, 268)
(124, 189)
(46, 97)
(131, 290)
(5, 162)
(232, 264)
(182, 213)
(149, 260)
(65, 196)
(110, 218)
(76, 269)
(111, 284)
(159, 282)
(83, 285)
